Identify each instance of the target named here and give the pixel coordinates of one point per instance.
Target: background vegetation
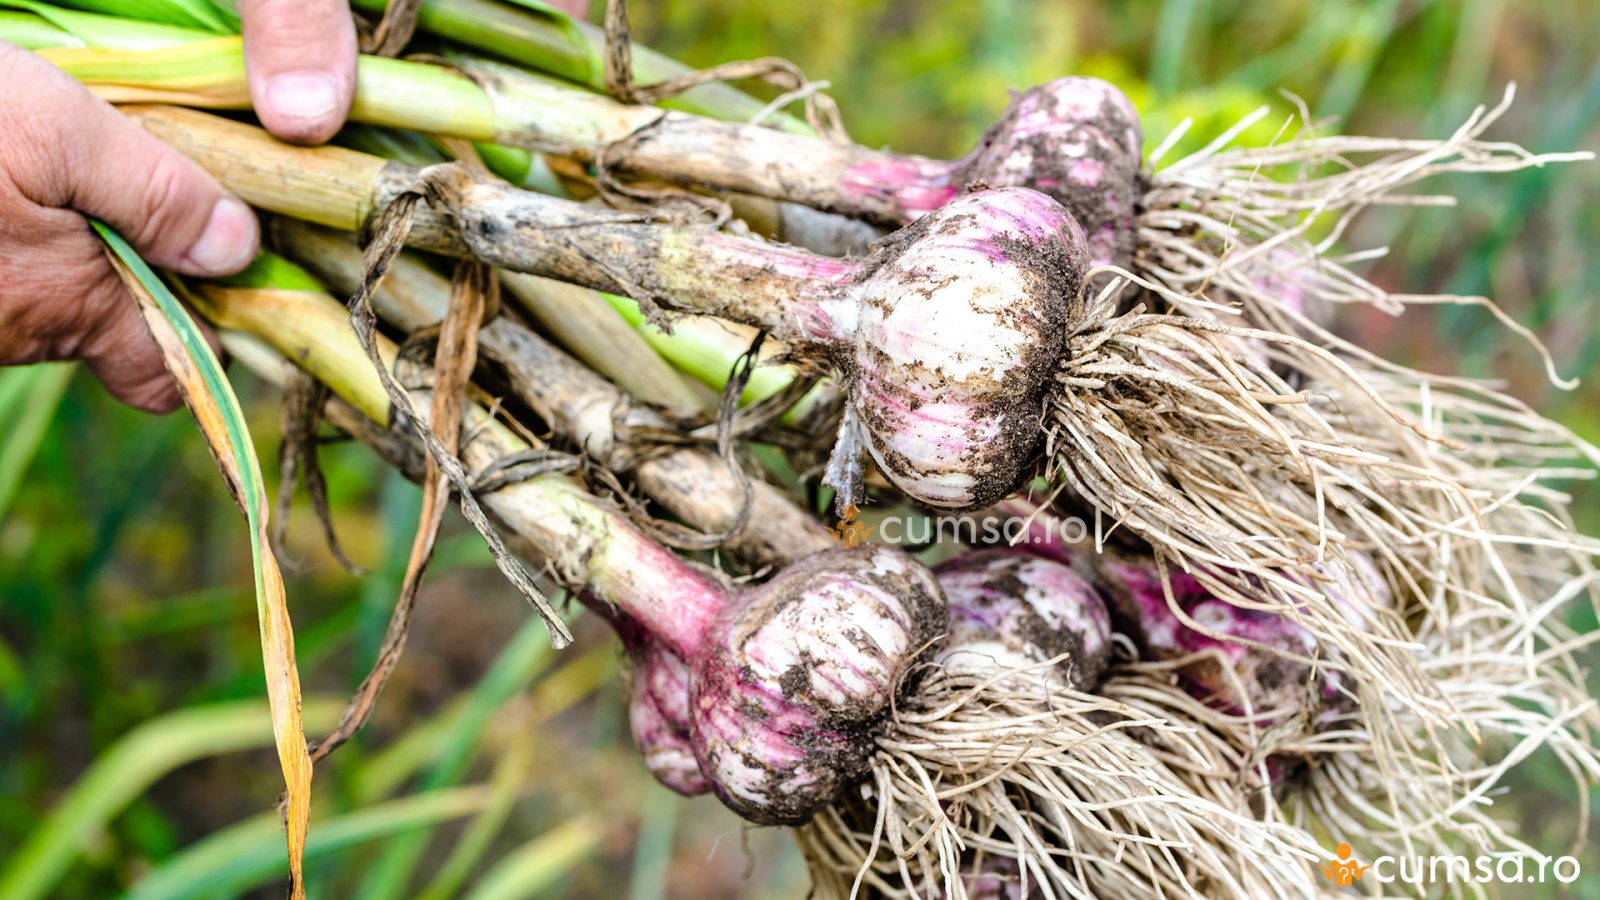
(133, 731)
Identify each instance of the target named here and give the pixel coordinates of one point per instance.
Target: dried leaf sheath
(390, 231)
(206, 393)
(303, 400)
(456, 355)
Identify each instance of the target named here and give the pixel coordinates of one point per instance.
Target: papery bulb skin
(959, 329)
(1132, 587)
(798, 676)
(658, 713)
(1011, 609)
(1079, 140)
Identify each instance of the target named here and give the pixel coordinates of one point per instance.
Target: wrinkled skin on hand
(66, 155)
(63, 155)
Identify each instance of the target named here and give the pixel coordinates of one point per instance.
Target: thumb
(78, 153)
(300, 56)
(164, 204)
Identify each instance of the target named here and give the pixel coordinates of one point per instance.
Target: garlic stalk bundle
(1076, 139)
(947, 334)
(789, 681)
(583, 409)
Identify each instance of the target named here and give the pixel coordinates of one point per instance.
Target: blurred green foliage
(125, 576)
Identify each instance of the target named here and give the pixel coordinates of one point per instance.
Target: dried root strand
(1070, 794)
(1261, 460)
(389, 237)
(1232, 474)
(1234, 226)
(303, 400)
(455, 357)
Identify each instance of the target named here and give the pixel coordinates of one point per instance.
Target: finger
(85, 312)
(76, 152)
(132, 370)
(124, 357)
(119, 349)
(300, 56)
(166, 206)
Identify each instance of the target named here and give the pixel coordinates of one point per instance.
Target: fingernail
(229, 241)
(307, 94)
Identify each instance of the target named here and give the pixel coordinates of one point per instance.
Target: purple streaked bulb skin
(953, 340)
(658, 713)
(1079, 140)
(1011, 609)
(798, 675)
(1132, 587)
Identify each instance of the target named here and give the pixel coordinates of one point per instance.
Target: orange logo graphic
(1344, 871)
(850, 532)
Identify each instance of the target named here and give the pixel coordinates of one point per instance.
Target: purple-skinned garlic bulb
(1270, 681)
(788, 683)
(796, 679)
(771, 697)
(658, 715)
(1010, 609)
(951, 342)
(657, 687)
(1079, 141)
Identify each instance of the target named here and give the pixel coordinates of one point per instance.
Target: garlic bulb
(1242, 640)
(658, 713)
(1078, 140)
(795, 678)
(1010, 609)
(953, 339)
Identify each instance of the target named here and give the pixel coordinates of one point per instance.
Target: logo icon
(1344, 871)
(850, 532)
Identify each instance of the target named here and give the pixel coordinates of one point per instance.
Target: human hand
(65, 154)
